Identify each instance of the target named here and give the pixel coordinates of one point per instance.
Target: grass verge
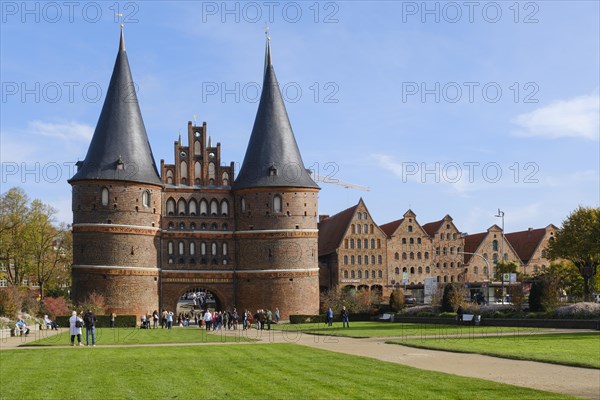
(573, 349)
(387, 329)
(274, 371)
(126, 336)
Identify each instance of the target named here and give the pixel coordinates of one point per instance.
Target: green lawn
(387, 329)
(258, 371)
(578, 349)
(120, 336)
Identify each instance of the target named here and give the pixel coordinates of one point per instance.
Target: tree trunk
(586, 288)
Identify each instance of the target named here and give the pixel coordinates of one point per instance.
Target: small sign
(505, 277)
(513, 277)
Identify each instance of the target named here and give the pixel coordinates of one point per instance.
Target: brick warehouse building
(143, 239)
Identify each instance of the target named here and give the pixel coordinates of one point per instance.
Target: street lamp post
(501, 215)
(487, 265)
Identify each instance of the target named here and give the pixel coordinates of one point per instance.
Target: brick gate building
(143, 238)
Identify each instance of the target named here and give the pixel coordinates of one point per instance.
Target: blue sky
(443, 107)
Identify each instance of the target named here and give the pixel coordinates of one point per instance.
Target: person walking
(345, 317)
(329, 317)
(277, 315)
(113, 319)
(75, 325)
(269, 319)
(169, 319)
(89, 319)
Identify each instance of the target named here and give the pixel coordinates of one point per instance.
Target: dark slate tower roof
(119, 149)
(272, 157)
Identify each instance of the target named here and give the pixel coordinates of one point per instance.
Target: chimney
(323, 217)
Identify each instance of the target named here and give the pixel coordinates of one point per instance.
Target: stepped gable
(119, 149)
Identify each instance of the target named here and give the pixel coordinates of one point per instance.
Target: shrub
(54, 306)
(418, 310)
(579, 311)
(397, 300)
(94, 302)
(103, 321)
(544, 294)
(453, 297)
(10, 302)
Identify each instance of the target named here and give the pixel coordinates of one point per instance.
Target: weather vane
(120, 16)
(267, 31)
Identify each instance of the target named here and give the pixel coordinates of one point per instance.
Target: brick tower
(275, 214)
(117, 205)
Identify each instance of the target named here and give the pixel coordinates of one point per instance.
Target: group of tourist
(76, 323)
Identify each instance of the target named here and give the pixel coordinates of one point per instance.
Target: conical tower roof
(272, 157)
(120, 149)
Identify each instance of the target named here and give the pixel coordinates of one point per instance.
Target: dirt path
(582, 382)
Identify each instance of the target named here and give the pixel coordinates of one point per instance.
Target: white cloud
(577, 117)
(67, 131)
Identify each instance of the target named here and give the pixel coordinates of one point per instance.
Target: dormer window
(272, 171)
(120, 164)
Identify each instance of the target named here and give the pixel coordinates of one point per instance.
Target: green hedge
(103, 321)
(321, 318)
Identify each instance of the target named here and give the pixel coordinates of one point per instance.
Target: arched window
(225, 179)
(203, 207)
(193, 207)
(372, 259)
(203, 248)
(181, 247)
(193, 226)
(447, 236)
(169, 177)
(214, 208)
(452, 250)
(224, 249)
(427, 270)
(372, 243)
(475, 270)
(345, 274)
(345, 260)
(243, 204)
(418, 255)
(418, 240)
(420, 270)
(366, 243)
(197, 148)
(404, 256)
(412, 255)
(396, 256)
(359, 259)
(445, 278)
(213, 248)
(181, 207)
(412, 270)
(494, 245)
(403, 240)
(397, 270)
(437, 251)
(170, 248)
(277, 203)
(358, 228)
(353, 228)
(452, 264)
(171, 226)
(224, 227)
(181, 226)
(213, 226)
(183, 170)
(351, 243)
(379, 260)
(224, 208)
(445, 250)
(198, 169)
(211, 171)
(146, 198)
(170, 206)
(411, 241)
(371, 228)
(359, 274)
(410, 228)
(366, 228)
(378, 243)
(366, 274)
(404, 269)
(358, 243)
(192, 248)
(445, 265)
(372, 274)
(104, 196)
(543, 253)
(203, 226)
(485, 271)
(351, 260)
(380, 274)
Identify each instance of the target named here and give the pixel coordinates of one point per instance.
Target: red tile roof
(331, 230)
(432, 227)
(472, 242)
(391, 227)
(525, 242)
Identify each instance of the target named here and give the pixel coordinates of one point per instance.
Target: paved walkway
(583, 382)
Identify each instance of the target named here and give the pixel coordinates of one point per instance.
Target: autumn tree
(579, 242)
(14, 252)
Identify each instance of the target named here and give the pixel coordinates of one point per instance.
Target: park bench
(387, 317)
